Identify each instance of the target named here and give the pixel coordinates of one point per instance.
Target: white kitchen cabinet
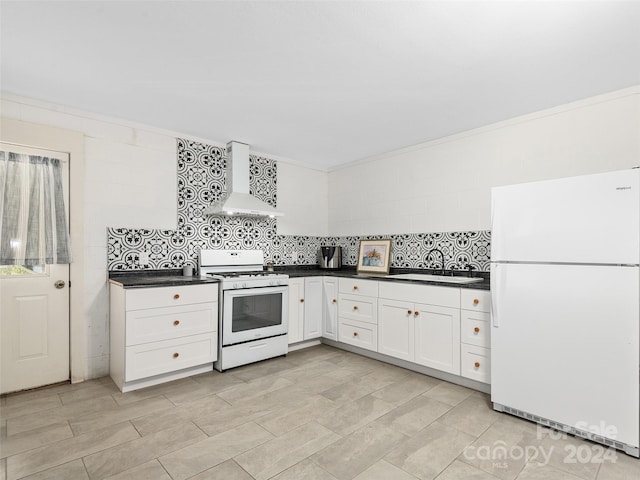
(437, 337)
(313, 302)
(330, 308)
(396, 329)
(475, 347)
(424, 333)
(162, 334)
(296, 310)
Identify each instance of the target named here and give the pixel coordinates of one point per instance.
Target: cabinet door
(312, 307)
(296, 310)
(437, 337)
(330, 311)
(396, 329)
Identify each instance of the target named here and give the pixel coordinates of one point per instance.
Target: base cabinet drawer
(475, 363)
(141, 298)
(476, 300)
(359, 334)
(475, 328)
(359, 308)
(155, 324)
(156, 358)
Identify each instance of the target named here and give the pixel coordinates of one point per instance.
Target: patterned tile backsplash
(201, 181)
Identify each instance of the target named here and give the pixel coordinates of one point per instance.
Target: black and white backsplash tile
(201, 181)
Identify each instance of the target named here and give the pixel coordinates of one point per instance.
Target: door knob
(59, 284)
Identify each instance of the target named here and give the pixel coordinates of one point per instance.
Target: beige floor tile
(303, 412)
(304, 372)
(34, 406)
(163, 389)
(277, 455)
(262, 369)
(56, 389)
(228, 470)
(232, 417)
(544, 472)
(407, 388)
(151, 470)
(185, 412)
(216, 381)
(69, 471)
(306, 470)
(349, 417)
(383, 470)
(448, 393)
(28, 422)
(118, 414)
(430, 451)
(473, 416)
(39, 437)
(83, 394)
(313, 354)
(256, 388)
(207, 453)
(573, 455)
(3, 469)
(320, 383)
(349, 391)
(504, 448)
(411, 417)
(461, 471)
(353, 454)
(127, 455)
(73, 448)
(620, 467)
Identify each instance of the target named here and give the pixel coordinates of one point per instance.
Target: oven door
(254, 313)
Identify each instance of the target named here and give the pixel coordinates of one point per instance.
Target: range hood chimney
(237, 200)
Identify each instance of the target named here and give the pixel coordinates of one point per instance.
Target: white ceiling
(320, 82)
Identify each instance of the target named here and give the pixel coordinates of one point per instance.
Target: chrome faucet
(441, 255)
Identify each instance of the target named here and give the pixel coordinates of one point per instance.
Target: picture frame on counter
(374, 256)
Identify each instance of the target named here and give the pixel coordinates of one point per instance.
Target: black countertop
(350, 272)
(155, 278)
(171, 278)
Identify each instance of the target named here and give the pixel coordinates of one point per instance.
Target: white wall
(303, 196)
(445, 185)
(130, 177)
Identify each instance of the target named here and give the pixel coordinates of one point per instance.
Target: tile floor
(319, 413)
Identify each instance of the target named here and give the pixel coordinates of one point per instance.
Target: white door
(34, 314)
(396, 329)
(312, 307)
(565, 343)
(330, 311)
(588, 219)
(296, 310)
(437, 336)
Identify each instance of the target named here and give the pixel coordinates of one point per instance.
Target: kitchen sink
(435, 278)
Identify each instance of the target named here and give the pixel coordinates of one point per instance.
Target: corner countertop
(350, 272)
(155, 278)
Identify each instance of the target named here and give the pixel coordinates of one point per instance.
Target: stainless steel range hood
(237, 200)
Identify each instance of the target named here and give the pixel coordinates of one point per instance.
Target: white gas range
(254, 303)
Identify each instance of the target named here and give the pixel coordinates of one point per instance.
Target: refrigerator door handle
(494, 292)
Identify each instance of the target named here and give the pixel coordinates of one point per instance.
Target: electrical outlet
(143, 258)
(294, 256)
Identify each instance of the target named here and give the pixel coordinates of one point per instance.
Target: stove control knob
(245, 284)
(236, 285)
(273, 282)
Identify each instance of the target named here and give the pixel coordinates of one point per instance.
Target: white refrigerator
(565, 290)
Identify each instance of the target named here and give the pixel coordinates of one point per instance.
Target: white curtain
(33, 223)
